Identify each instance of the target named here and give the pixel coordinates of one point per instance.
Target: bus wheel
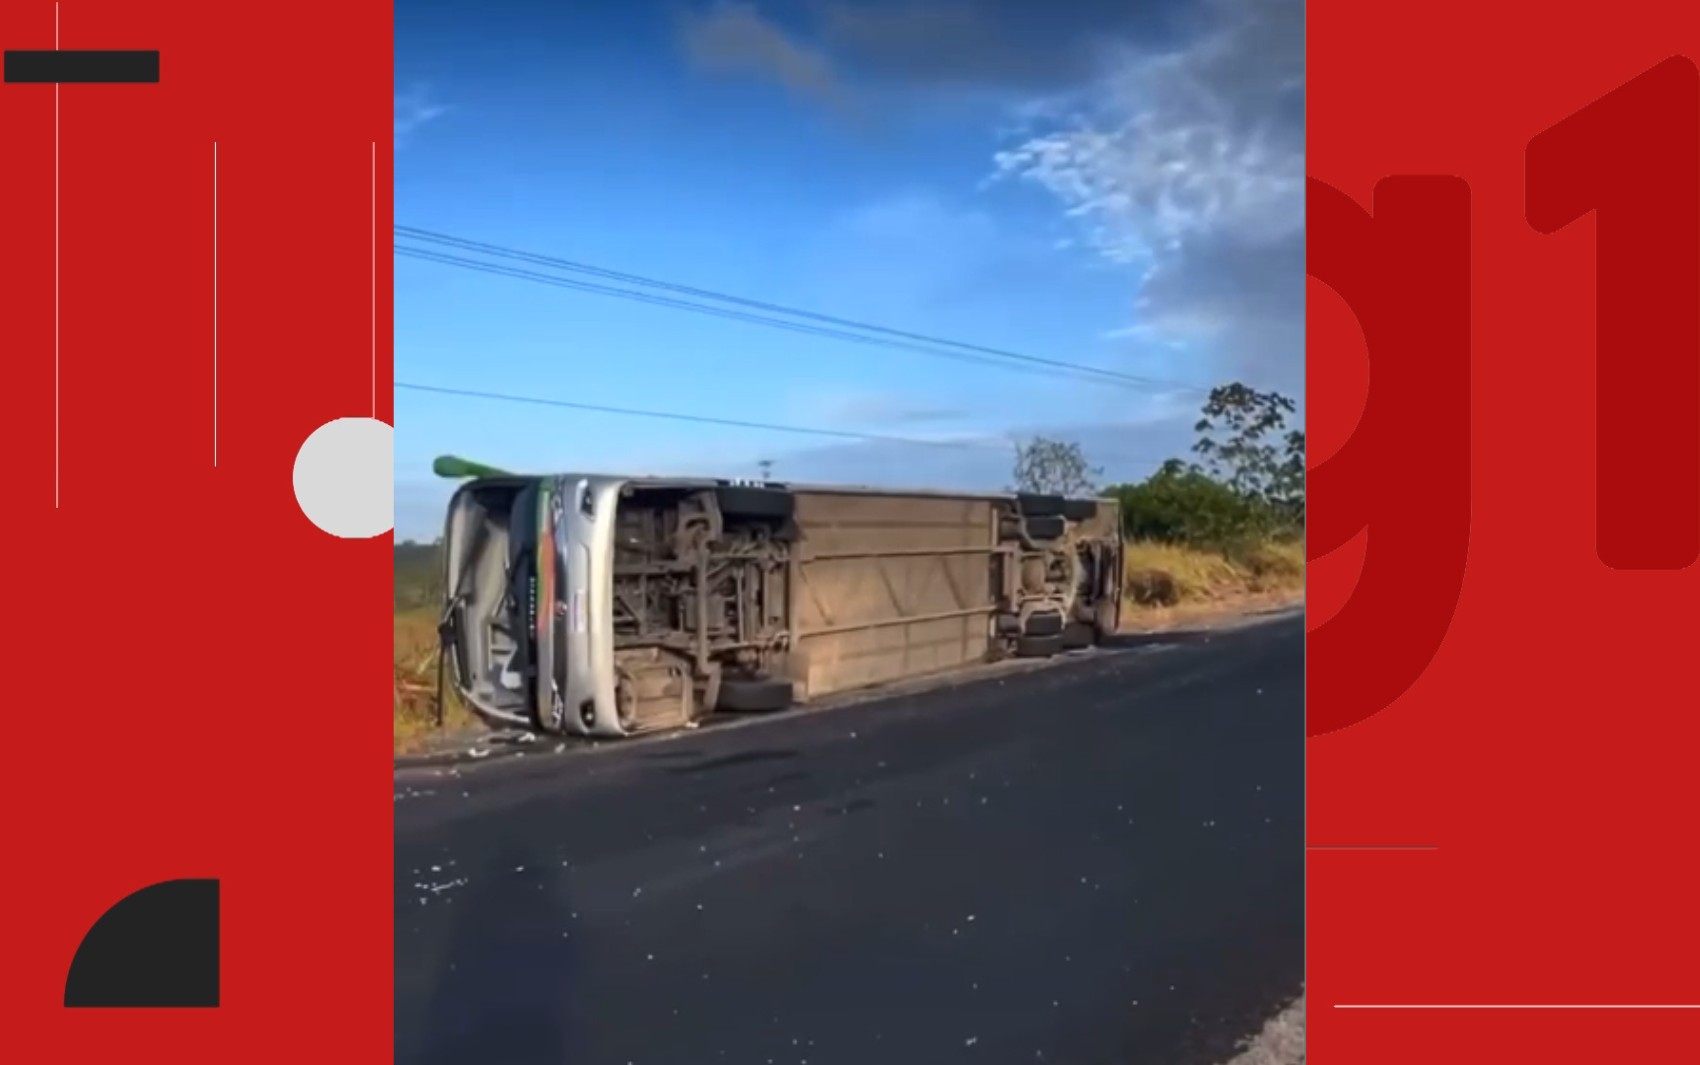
(1078, 635)
(1080, 509)
(1050, 527)
(753, 695)
(756, 504)
(1038, 646)
(1040, 505)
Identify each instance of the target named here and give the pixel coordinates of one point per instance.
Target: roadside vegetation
(416, 680)
(418, 602)
(1219, 531)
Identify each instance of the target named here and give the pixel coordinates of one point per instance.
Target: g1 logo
(1405, 272)
(1631, 157)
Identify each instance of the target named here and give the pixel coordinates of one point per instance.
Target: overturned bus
(610, 606)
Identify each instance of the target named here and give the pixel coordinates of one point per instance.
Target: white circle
(345, 478)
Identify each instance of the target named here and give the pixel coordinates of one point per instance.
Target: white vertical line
(56, 268)
(215, 305)
(374, 279)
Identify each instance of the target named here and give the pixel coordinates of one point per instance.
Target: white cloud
(413, 109)
(1189, 164)
(1182, 164)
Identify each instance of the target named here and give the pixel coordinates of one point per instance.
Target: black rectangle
(68, 68)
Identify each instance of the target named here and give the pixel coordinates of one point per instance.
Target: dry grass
(1168, 576)
(416, 683)
(1282, 1041)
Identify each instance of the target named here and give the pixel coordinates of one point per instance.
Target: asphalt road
(1099, 862)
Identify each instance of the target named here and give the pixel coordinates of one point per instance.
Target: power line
(701, 419)
(981, 444)
(921, 342)
(503, 270)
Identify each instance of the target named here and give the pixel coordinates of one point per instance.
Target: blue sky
(1051, 180)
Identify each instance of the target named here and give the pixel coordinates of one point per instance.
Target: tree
(418, 575)
(1182, 504)
(1289, 486)
(1244, 442)
(1054, 467)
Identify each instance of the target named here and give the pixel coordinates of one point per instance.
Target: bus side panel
(889, 587)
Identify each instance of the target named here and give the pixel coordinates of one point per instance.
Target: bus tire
(753, 695)
(742, 503)
(1078, 636)
(1044, 625)
(1050, 527)
(1080, 509)
(1040, 505)
(1038, 646)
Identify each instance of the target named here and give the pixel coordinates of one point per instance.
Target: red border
(194, 668)
(1546, 751)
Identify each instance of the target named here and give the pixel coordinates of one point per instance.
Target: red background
(182, 628)
(194, 667)
(1548, 751)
